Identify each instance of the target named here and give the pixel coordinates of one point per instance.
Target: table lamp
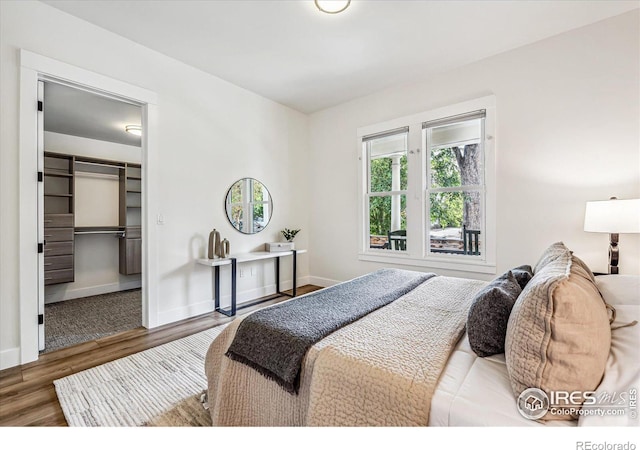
(613, 216)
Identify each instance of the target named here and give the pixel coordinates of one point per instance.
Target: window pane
(235, 216)
(388, 222)
(455, 222)
(444, 168)
(258, 193)
(236, 193)
(259, 221)
(388, 163)
(456, 154)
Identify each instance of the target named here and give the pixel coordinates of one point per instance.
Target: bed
(380, 370)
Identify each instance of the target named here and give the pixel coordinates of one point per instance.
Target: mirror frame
(227, 203)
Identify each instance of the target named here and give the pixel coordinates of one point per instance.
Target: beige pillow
(551, 253)
(558, 335)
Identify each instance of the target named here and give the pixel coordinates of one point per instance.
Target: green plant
(289, 234)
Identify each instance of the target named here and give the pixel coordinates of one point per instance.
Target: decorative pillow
(553, 252)
(523, 275)
(558, 335)
(489, 314)
(587, 271)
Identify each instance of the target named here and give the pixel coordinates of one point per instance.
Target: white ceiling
(290, 52)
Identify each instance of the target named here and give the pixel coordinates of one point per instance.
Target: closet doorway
(90, 216)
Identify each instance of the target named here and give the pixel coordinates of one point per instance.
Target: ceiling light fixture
(332, 6)
(134, 129)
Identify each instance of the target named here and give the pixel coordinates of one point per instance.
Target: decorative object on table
(289, 235)
(613, 216)
(224, 248)
(248, 206)
(214, 244)
(280, 246)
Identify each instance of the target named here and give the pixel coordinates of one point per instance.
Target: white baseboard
(322, 282)
(9, 358)
(303, 281)
(92, 290)
(263, 291)
(207, 306)
(185, 312)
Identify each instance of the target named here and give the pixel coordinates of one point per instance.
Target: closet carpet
(84, 319)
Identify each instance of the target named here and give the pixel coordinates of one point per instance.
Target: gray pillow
(523, 274)
(489, 315)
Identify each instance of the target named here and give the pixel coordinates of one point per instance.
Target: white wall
(567, 132)
(97, 198)
(91, 148)
(211, 133)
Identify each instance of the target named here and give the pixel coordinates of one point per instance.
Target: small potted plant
(289, 235)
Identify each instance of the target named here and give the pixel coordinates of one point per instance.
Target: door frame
(34, 68)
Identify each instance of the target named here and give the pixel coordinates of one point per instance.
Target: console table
(234, 260)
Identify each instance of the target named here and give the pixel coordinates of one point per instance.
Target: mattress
(622, 373)
(475, 391)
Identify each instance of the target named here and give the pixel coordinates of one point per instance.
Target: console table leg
(216, 292)
(233, 286)
(278, 275)
(295, 272)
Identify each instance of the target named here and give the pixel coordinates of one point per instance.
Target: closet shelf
(131, 217)
(58, 218)
(55, 173)
(58, 195)
(99, 228)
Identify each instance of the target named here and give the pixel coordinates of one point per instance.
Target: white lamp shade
(613, 216)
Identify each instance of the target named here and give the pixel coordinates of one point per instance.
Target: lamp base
(614, 253)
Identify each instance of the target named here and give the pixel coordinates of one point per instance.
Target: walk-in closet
(91, 216)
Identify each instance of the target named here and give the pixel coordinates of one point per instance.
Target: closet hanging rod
(100, 232)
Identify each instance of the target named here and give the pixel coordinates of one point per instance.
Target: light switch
(160, 219)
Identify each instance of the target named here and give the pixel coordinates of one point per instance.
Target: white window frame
(368, 192)
(418, 220)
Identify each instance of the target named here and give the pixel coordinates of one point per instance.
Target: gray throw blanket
(275, 340)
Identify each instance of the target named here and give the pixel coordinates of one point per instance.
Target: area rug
(160, 386)
(187, 413)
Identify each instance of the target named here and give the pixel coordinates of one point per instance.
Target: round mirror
(248, 206)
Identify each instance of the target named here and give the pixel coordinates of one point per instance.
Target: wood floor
(27, 394)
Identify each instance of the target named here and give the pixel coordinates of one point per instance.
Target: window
(455, 186)
(387, 189)
(428, 189)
